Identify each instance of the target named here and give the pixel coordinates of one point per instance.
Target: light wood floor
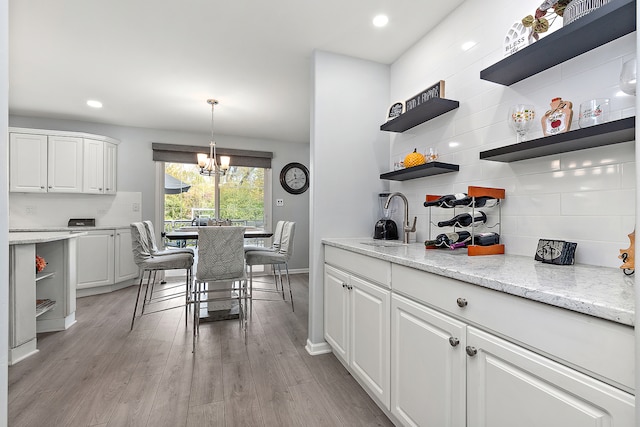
(98, 373)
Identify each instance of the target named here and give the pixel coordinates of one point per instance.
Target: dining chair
(147, 262)
(154, 247)
(277, 235)
(220, 263)
(274, 258)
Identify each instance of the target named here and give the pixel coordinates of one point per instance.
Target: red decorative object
(40, 264)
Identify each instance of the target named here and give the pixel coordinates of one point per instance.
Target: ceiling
(154, 64)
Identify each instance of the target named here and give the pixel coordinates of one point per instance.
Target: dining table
(222, 310)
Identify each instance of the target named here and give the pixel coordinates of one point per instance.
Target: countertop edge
(619, 312)
(25, 238)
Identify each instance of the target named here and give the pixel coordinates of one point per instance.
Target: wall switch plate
(279, 202)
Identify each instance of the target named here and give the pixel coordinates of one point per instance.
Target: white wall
(136, 169)
(586, 196)
(4, 207)
(348, 152)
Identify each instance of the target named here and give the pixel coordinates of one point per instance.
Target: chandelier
(208, 165)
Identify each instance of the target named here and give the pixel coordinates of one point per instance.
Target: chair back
(139, 243)
(220, 253)
(148, 225)
(277, 235)
(286, 241)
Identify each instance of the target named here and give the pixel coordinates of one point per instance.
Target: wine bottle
(446, 200)
(465, 220)
(480, 239)
(480, 202)
(446, 240)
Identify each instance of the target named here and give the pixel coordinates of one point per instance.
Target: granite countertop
(27, 237)
(597, 291)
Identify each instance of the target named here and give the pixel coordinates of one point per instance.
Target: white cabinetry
(110, 168)
(105, 259)
(96, 259)
(99, 167)
(428, 366)
(521, 363)
(42, 302)
(125, 267)
(42, 161)
(509, 385)
(357, 318)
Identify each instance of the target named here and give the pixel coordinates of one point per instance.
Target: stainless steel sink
(384, 243)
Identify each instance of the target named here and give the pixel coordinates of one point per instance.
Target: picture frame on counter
(435, 91)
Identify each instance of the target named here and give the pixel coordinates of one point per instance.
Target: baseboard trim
(318, 348)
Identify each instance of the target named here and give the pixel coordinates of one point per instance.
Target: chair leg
(286, 266)
(135, 308)
(281, 283)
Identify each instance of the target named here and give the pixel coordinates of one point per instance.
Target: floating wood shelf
(420, 114)
(599, 27)
(428, 169)
(614, 132)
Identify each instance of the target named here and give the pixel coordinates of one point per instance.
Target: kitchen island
(440, 338)
(43, 301)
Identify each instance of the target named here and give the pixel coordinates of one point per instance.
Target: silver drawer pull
(454, 341)
(461, 302)
(471, 351)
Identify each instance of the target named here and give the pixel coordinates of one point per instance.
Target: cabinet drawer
(598, 347)
(369, 268)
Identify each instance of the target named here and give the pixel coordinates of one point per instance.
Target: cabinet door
(28, 163)
(96, 259)
(126, 268)
(508, 385)
(64, 171)
(336, 312)
(370, 338)
(110, 168)
(93, 164)
(427, 366)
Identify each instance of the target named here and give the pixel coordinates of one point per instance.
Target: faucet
(406, 227)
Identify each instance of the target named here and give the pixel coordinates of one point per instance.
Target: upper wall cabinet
(420, 114)
(61, 162)
(599, 27)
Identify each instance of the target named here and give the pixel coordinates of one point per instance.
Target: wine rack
(473, 192)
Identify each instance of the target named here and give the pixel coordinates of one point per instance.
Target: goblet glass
(521, 119)
(628, 77)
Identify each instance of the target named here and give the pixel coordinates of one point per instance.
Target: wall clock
(294, 178)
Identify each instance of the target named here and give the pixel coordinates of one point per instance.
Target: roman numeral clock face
(294, 178)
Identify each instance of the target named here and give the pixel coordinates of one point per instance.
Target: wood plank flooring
(99, 373)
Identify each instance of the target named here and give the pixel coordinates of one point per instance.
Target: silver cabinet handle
(344, 285)
(471, 351)
(454, 341)
(42, 187)
(461, 302)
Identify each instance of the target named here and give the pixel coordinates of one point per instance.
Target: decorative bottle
(558, 118)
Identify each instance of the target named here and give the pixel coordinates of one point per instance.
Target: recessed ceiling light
(468, 45)
(381, 20)
(94, 104)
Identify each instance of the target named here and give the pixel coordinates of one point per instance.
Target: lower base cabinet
(357, 325)
(438, 352)
(428, 375)
(508, 385)
(104, 259)
(446, 373)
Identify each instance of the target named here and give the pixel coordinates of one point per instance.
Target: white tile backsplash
(586, 196)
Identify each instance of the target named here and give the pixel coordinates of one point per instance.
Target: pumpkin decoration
(414, 159)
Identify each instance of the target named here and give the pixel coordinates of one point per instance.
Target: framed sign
(395, 110)
(435, 91)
